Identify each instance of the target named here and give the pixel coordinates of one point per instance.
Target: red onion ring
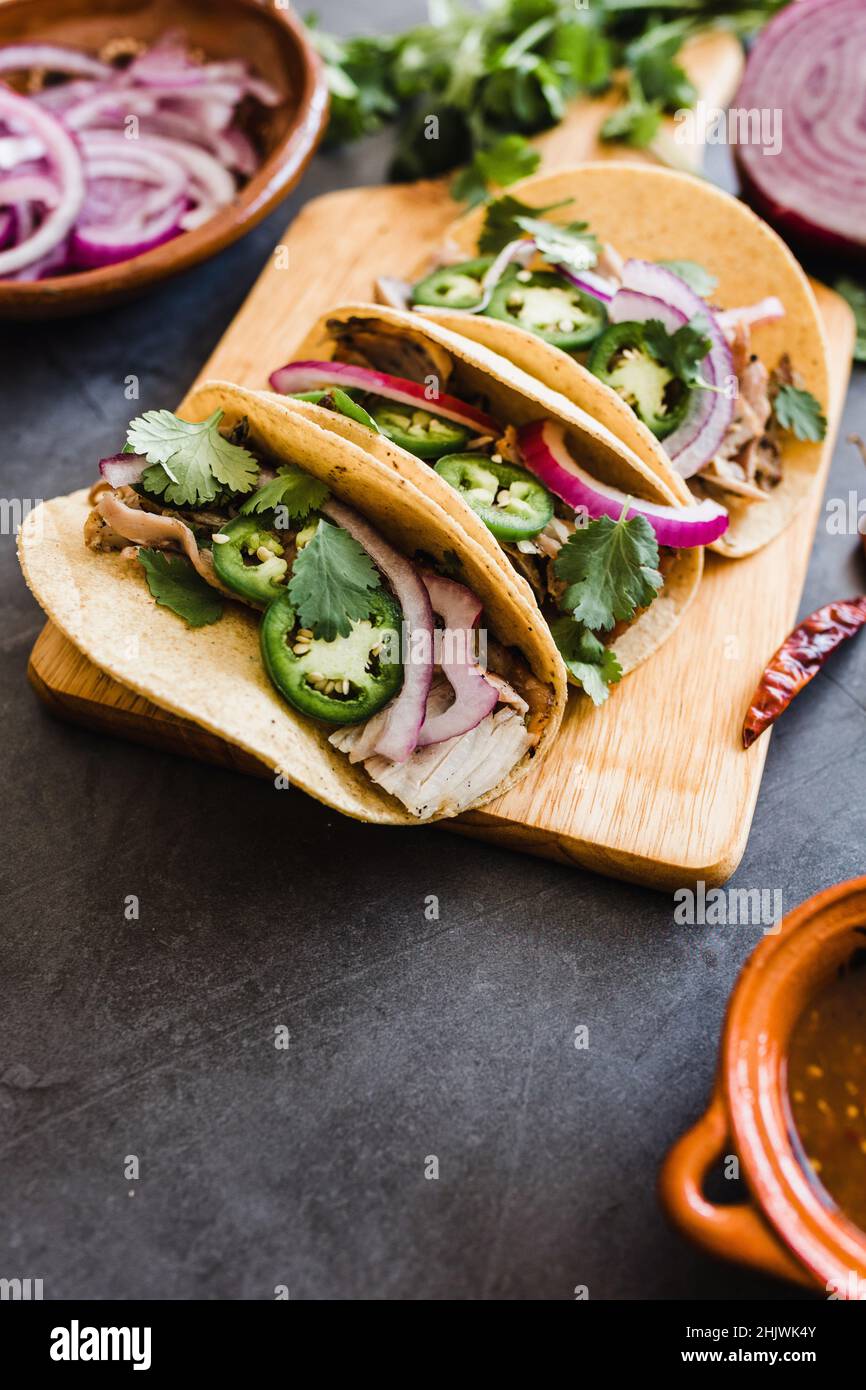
(599, 286)
(122, 470)
(474, 697)
(65, 162)
(52, 57)
(96, 245)
(808, 63)
(544, 451)
(396, 735)
(694, 442)
(630, 306)
(310, 375)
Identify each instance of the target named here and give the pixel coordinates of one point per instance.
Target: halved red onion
(396, 736)
(599, 286)
(474, 697)
(808, 177)
(752, 315)
(122, 470)
(545, 452)
(311, 374)
(694, 442)
(52, 57)
(65, 164)
(95, 245)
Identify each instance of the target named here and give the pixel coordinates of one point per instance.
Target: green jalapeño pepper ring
(453, 286)
(421, 433)
(622, 360)
(249, 559)
(511, 502)
(344, 681)
(543, 303)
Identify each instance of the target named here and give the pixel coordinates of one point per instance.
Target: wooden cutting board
(655, 787)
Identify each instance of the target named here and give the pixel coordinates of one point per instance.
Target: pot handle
(733, 1233)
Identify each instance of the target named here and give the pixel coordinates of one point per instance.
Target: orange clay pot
(791, 1228)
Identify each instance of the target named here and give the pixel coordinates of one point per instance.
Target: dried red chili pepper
(799, 659)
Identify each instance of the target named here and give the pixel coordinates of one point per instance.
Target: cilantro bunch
(471, 84)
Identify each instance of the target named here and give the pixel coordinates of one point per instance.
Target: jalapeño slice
(422, 433)
(622, 360)
(341, 682)
(453, 286)
(250, 560)
(543, 303)
(512, 503)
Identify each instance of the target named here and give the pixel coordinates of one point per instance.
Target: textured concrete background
(409, 1037)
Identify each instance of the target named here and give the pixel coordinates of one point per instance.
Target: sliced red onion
(544, 451)
(630, 306)
(474, 697)
(310, 375)
(52, 57)
(97, 245)
(809, 178)
(752, 315)
(65, 163)
(7, 227)
(397, 734)
(122, 470)
(29, 188)
(599, 286)
(694, 442)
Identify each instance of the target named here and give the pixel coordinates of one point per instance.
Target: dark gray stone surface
(409, 1037)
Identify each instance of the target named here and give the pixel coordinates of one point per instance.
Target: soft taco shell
(513, 397)
(213, 675)
(660, 214)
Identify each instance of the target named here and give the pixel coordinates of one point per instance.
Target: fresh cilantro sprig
(611, 570)
(332, 580)
(293, 489)
(595, 666)
(798, 411)
(190, 461)
(682, 352)
(175, 584)
(503, 218)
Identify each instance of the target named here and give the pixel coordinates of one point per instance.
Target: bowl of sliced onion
(139, 137)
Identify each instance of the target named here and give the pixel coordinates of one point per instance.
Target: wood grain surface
(655, 787)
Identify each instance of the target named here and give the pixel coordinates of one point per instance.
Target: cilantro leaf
(662, 80)
(587, 659)
(798, 411)
(501, 223)
(175, 584)
(611, 569)
(856, 297)
(682, 351)
(293, 489)
(696, 276)
(637, 122)
(569, 243)
(189, 460)
(508, 159)
(582, 55)
(331, 582)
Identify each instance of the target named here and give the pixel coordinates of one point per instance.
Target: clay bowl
(271, 39)
(791, 1227)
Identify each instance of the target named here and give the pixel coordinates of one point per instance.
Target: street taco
(265, 579)
(585, 528)
(666, 309)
